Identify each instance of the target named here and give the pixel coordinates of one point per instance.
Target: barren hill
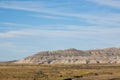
(74, 56)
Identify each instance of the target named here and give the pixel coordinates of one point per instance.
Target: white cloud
(49, 17)
(71, 31)
(14, 24)
(14, 34)
(109, 19)
(111, 3)
(27, 6)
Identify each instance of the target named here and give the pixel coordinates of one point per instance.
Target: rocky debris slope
(74, 56)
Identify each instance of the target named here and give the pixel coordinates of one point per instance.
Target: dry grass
(60, 72)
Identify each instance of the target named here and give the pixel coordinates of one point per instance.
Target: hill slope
(74, 56)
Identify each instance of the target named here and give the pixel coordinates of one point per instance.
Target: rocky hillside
(74, 56)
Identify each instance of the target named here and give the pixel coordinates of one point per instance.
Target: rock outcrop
(74, 56)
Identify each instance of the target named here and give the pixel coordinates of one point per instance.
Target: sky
(30, 26)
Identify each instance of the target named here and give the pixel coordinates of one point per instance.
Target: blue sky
(30, 26)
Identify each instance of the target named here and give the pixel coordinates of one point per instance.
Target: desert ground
(10, 71)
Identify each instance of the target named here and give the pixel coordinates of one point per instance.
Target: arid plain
(10, 71)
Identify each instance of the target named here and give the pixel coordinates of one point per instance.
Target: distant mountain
(74, 56)
(7, 62)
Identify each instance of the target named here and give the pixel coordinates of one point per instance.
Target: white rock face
(73, 56)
